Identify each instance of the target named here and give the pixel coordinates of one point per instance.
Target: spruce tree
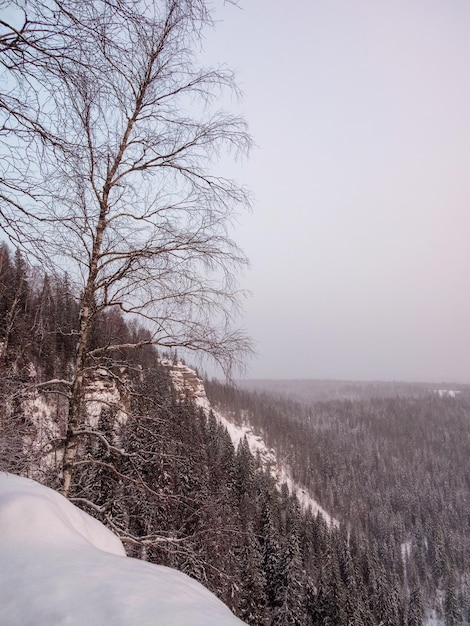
(451, 606)
(252, 600)
(415, 608)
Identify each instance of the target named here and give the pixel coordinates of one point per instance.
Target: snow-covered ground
(60, 566)
(185, 380)
(431, 619)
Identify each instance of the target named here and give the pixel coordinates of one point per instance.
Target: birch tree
(111, 135)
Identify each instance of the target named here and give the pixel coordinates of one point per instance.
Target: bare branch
(111, 134)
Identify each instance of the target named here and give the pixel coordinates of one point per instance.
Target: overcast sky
(359, 240)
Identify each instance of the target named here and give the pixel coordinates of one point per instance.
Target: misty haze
(234, 313)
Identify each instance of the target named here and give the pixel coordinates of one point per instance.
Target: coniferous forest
(114, 134)
(165, 476)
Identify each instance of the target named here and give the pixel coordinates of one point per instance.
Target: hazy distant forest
(392, 471)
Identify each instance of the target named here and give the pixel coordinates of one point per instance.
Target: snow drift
(60, 566)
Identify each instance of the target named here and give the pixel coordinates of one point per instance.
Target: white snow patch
(60, 566)
(46, 415)
(405, 555)
(102, 392)
(405, 551)
(43, 428)
(447, 393)
(432, 619)
(39, 411)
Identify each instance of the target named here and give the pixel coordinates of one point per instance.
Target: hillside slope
(187, 383)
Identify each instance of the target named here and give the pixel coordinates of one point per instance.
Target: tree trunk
(76, 409)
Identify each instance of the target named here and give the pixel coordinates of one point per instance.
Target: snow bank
(60, 566)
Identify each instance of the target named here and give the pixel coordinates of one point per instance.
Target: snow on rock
(187, 383)
(102, 392)
(44, 415)
(60, 566)
(42, 430)
(278, 470)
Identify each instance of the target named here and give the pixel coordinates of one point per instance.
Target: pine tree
(289, 603)
(45, 329)
(415, 608)
(451, 608)
(271, 551)
(244, 477)
(252, 601)
(355, 607)
(16, 322)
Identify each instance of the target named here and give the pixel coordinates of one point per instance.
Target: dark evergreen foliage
(165, 476)
(394, 472)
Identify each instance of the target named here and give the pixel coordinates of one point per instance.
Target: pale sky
(359, 239)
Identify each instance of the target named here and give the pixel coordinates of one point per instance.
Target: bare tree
(110, 138)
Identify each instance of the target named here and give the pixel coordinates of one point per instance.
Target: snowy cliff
(186, 382)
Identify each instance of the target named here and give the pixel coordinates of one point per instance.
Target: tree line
(167, 479)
